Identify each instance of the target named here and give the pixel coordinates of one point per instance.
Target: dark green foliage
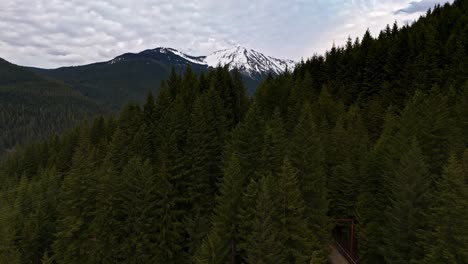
(296, 238)
(33, 107)
(405, 217)
(274, 146)
(220, 246)
(307, 155)
(168, 221)
(262, 244)
(75, 211)
(205, 141)
(448, 241)
(200, 174)
(246, 140)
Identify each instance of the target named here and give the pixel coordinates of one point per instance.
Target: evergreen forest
(374, 131)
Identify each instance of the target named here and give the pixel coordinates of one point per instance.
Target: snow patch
(248, 61)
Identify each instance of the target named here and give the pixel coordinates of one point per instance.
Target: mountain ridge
(250, 62)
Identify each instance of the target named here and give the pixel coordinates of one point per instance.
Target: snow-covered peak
(192, 59)
(248, 61)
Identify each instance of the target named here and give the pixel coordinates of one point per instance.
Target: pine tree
(169, 227)
(448, 243)
(220, 246)
(147, 132)
(405, 218)
(246, 140)
(347, 161)
(262, 244)
(307, 155)
(274, 144)
(138, 202)
(205, 140)
(246, 214)
(74, 239)
(122, 146)
(174, 83)
(109, 222)
(371, 202)
(295, 235)
(9, 252)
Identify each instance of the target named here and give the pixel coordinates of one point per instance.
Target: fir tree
(307, 155)
(263, 244)
(74, 239)
(205, 140)
(448, 242)
(405, 216)
(295, 236)
(168, 222)
(220, 246)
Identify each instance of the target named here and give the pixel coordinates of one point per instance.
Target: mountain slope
(131, 75)
(115, 82)
(33, 107)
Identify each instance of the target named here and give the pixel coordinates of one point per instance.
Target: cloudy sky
(53, 33)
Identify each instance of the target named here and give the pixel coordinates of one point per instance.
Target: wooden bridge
(343, 250)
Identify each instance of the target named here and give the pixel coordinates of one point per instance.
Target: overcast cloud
(53, 33)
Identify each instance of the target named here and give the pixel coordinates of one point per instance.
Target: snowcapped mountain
(250, 62)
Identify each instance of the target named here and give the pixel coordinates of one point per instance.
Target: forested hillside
(114, 84)
(33, 107)
(374, 131)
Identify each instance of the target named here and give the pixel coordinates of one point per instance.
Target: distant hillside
(33, 107)
(112, 84)
(130, 76)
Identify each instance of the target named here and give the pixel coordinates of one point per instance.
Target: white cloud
(52, 33)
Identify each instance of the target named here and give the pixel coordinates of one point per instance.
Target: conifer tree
(138, 202)
(147, 133)
(168, 222)
(122, 146)
(405, 218)
(295, 235)
(9, 252)
(307, 155)
(246, 140)
(274, 144)
(246, 214)
(220, 246)
(448, 242)
(205, 141)
(74, 239)
(174, 83)
(263, 244)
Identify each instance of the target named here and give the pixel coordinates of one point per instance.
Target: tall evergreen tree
(168, 222)
(74, 239)
(295, 235)
(405, 218)
(220, 246)
(246, 140)
(448, 242)
(262, 244)
(307, 155)
(205, 140)
(274, 145)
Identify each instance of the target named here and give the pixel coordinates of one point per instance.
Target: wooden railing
(345, 253)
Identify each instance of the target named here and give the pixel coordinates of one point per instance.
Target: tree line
(201, 173)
